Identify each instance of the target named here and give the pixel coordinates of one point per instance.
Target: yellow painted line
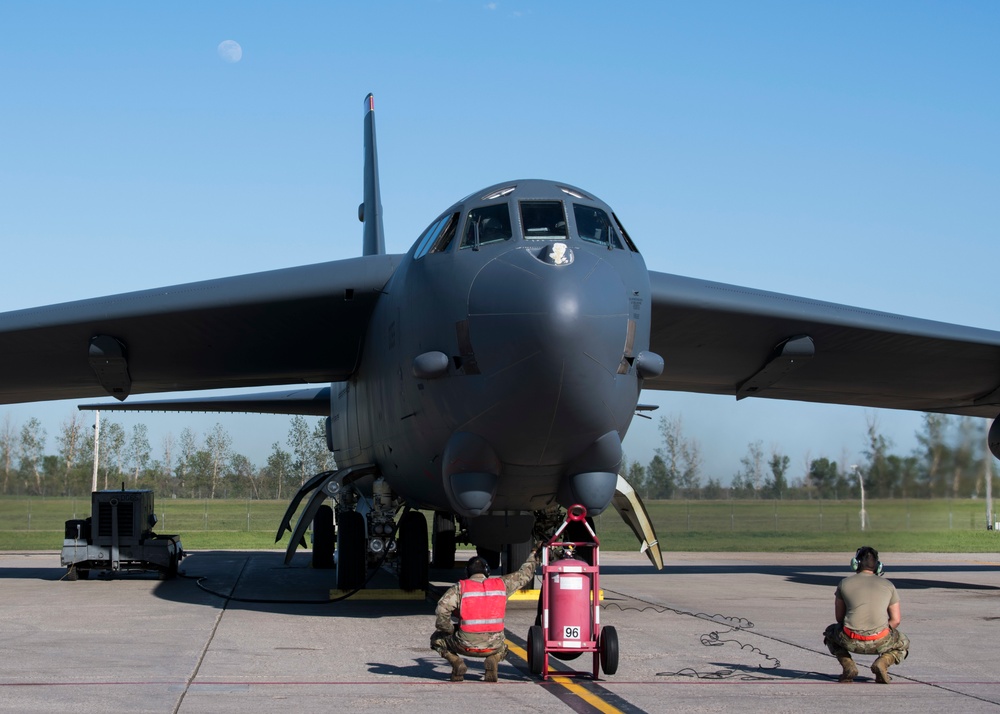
(533, 595)
(591, 699)
(571, 686)
(517, 650)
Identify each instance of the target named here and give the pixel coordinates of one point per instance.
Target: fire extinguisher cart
(570, 601)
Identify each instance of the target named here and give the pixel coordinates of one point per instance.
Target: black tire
(83, 574)
(324, 539)
(536, 649)
(72, 574)
(412, 549)
(608, 644)
(350, 550)
(492, 557)
(514, 556)
(443, 542)
(170, 572)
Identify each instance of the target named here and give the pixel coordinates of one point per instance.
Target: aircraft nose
(522, 306)
(548, 342)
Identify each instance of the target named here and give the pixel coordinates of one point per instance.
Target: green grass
(775, 526)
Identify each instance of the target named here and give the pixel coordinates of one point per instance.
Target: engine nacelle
(994, 437)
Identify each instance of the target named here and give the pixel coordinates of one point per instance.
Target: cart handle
(576, 512)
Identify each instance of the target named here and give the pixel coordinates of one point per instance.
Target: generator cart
(570, 601)
(119, 536)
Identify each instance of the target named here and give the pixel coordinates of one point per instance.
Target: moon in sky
(230, 51)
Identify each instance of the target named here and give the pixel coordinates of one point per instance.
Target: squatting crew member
(867, 611)
(480, 603)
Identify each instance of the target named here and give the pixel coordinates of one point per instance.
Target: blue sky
(842, 151)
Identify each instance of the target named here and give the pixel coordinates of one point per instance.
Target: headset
(481, 562)
(863, 552)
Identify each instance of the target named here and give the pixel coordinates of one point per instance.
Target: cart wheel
(536, 649)
(72, 574)
(170, 572)
(84, 574)
(609, 650)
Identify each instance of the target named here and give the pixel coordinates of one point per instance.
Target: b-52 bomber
(489, 374)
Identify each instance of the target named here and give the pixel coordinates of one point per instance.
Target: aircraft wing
(289, 326)
(307, 402)
(726, 339)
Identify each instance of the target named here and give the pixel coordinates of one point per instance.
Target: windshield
(543, 219)
(491, 222)
(438, 235)
(594, 225)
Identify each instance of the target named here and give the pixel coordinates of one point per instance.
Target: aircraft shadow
(260, 581)
(815, 574)
(247, 580)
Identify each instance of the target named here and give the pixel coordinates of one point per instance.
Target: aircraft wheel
(324, 539)
(350, 550)
(413, 564)
(608, 644)
(492, 557)
(443, 542)
(514, 555)
(536, 649)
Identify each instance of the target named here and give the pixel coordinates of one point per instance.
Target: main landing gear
(367, 534)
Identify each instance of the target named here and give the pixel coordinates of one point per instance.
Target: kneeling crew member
(867, 611)
(480, 603)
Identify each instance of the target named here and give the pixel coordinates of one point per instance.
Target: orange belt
(867, 638)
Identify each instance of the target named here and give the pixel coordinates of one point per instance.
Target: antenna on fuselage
(370, 212)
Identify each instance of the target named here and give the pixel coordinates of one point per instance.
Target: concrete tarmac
(241, 632)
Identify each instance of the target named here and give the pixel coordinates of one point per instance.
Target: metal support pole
(97, 444)
(861, 485)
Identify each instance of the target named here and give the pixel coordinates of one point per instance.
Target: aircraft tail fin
(370, 212)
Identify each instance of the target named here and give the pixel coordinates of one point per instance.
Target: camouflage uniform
(448, 638)
(895, 644)
(863, 602)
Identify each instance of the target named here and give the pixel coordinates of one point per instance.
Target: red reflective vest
(483, 605)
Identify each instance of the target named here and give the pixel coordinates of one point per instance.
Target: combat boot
(492, 662)
(458, 666)
(850, 669)
(881, 668)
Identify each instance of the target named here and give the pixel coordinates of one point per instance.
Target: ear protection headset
(862, 552)
(481, 562)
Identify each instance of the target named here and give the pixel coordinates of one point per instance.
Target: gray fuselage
(503, 362)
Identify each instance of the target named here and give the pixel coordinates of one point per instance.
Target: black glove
(439, 635)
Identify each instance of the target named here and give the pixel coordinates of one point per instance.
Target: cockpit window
(438, 235)
(594, 225)
(489, 224)
(543, 219)
(625, 235)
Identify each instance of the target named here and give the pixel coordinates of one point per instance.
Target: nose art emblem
(558, 254)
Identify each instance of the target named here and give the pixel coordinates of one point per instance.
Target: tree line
(188, 466)
(951, 460)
